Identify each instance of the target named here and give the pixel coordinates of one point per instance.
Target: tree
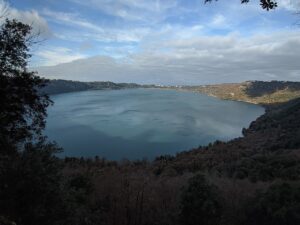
(279, 205)
(30, 173)
(265, 4)
(200, 203)
(22, 108)
(30, 190)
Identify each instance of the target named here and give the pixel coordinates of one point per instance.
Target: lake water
(142, 123)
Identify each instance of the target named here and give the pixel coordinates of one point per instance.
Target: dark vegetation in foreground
(250, 180)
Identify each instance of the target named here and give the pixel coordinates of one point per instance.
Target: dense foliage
(22, 109)
(29, 173)
(201, 203)
(280, 204)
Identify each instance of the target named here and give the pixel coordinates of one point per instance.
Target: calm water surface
(142, 123)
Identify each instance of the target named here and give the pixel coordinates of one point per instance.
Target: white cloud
(32, 17)
(135, 10)
(54, 56)
(291, 5)
(219, 21)
(71, 19)
(199, 60)
(91, 30)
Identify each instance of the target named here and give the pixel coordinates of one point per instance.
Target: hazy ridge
(65, 86)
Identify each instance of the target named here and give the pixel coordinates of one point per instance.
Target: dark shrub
(200, 203)
(279, 205)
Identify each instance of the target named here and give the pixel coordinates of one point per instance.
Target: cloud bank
(196, 60)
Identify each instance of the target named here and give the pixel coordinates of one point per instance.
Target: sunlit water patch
(142, 123)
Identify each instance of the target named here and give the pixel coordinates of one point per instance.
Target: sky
(162, 41)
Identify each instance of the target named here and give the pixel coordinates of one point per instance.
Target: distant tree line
(64, 86)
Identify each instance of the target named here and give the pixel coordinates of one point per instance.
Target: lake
(142, 123)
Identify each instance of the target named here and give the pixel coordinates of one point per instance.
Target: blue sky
(165, 42)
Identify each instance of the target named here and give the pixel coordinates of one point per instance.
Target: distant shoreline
(264, 93)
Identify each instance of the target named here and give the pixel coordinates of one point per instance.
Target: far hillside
(65, 86)
(257, 92)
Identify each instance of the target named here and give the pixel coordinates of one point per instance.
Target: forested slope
(257, 92)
